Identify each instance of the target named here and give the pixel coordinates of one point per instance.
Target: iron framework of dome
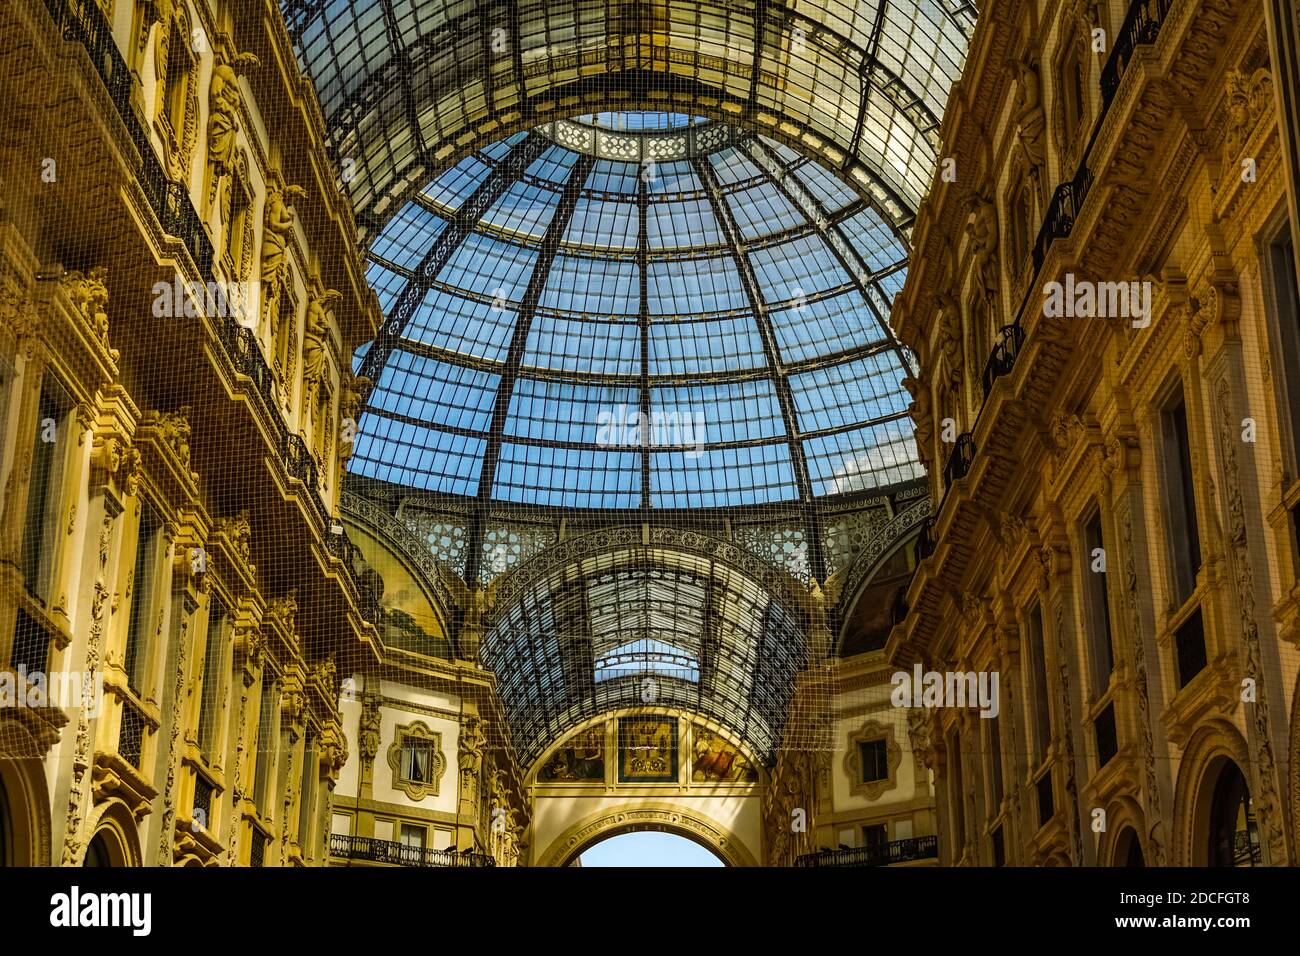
(404, 84)
(545, 302)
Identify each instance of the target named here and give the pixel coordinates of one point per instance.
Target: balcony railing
(885, 854)
(925, 540)
(959, 462)
(1003, 358)
(387, 851)
(1141, 25)
(84, 22)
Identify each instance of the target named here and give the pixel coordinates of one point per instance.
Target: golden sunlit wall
(1104, 302)
(179, 293)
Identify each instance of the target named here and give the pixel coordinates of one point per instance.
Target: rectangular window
(1097, 605)
(1046, 807)
(213, 666)
(874, 757)
(414, 836)
(267, 737)
(141, 626)
(31, 644)
(994, 730)
(1107, 739)
(49, 450)
(1286, 302)
(957, 795)
(179, 64)
(1180, 511)
(417, 759)
(999, 848)
(307, 795)
(7, 376)
(1189, 646)
(1039, 709)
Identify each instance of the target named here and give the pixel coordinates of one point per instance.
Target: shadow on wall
(873, 616)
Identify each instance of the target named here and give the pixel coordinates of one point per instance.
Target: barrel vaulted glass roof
(584, 639)
(568, 329)
(403, 83)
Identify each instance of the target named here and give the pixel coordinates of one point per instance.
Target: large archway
(648, 848)
(1212, 805)
(25, 833)
(643, 816)
(115, 841)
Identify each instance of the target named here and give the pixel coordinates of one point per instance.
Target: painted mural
(409, 621)
(714, 760)
(582, 758)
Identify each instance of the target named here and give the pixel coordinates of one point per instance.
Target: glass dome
(703, 323)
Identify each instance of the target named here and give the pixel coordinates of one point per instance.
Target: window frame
(1178, 504)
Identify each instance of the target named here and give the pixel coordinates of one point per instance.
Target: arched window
(648, 657)
(1128, 849)
(1074, 100)
(1234, 839)
(98, 853)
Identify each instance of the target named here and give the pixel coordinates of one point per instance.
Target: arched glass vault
(405, 85)
(706, 331)
(639, 626)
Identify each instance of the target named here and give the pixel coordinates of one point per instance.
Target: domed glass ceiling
(402, 84)
(546, 301)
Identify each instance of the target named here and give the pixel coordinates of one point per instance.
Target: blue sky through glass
(691, 359)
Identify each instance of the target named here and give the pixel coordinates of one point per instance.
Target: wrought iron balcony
(1003, 357)
(84, 22)
(884, 854)
(371, 850)
(1063, 211)
(959, 462)
(925, 541)
(1141, 25)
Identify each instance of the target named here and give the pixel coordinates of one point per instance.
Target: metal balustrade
(884, 854)
(1141, 26)
(371, 850)
(1003, 358)
(83, 21)
(960, 461)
